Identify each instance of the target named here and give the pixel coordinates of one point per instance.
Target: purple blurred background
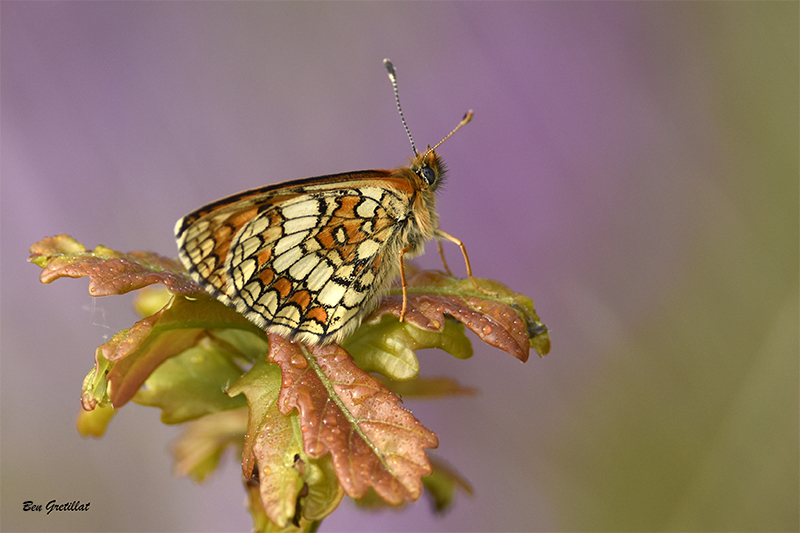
(633, 167)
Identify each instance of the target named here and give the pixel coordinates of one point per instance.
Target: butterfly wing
(306, 259)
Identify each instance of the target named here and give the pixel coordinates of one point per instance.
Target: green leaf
(95, 385)
(198, 450)
(94, 423)
(192, 384)
(442, 484)
(388, 346)
(428, 388)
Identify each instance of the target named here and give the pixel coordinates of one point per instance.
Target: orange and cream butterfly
(309, 259)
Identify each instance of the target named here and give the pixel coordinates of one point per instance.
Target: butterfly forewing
(306, 259)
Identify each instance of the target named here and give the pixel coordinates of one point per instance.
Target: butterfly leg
(460, 244)
(403, 281)
(441, 254)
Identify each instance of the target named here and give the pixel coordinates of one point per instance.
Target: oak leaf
(374, 442)
(504, 319)
(440, 488)
(193, 332)
(110, 272)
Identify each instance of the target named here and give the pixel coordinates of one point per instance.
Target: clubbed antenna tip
(393, 77)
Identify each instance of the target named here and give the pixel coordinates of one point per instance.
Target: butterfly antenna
(464, 122)
(393, 77)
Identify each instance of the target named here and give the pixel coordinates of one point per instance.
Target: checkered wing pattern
(306, 261)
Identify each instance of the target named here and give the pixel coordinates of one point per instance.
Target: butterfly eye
(427, 174)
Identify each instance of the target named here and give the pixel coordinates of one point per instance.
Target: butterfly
(308, 259)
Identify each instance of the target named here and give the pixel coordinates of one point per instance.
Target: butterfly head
(430, 168)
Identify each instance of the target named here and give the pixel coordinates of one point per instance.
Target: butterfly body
(308, 259)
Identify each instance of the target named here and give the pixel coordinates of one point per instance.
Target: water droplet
(315, 449)
(298, 361)
(487, 330)
(287, 382)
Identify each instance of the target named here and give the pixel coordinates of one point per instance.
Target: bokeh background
(633, 167)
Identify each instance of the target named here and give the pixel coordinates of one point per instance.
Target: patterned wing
(307, 263)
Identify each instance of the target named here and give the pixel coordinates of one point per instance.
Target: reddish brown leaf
(128, 375)
(505, 319)
(137, 351)
(372, 439)
(440, 488)
(110, 272)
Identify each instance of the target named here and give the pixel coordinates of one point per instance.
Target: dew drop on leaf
(315, 449)
(358, 394)
(298, 361)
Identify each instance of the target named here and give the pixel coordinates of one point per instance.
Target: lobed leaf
(505, 319)
(110, 272)
(440, 488)
(373, 441)
(185, 354)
